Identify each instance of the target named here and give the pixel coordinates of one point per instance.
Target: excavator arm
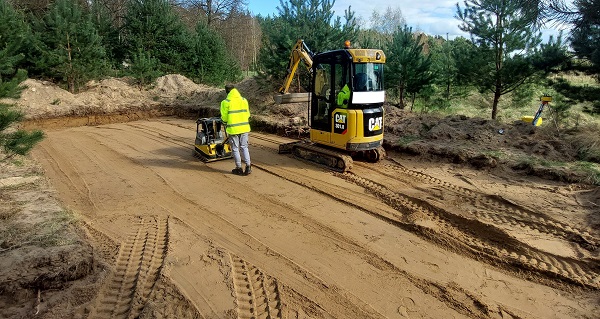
(300, 52)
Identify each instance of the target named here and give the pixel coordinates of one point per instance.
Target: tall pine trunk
(70, 76)
(401, 92)
(497, 94)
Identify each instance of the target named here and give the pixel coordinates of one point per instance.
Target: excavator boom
(300, 52)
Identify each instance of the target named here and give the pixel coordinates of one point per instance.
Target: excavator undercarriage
(333, 159)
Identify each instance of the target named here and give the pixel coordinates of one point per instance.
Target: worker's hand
(345, 102)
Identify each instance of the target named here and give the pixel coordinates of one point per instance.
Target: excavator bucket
(291, 98)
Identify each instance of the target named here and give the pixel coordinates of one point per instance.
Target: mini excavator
(341, 129)
(211, 140)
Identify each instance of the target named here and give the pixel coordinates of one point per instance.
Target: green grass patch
(577, 78)
(497, 154)
(405, 140)
(532, 161)
(585, 172)
(591, 171)
(17, 162)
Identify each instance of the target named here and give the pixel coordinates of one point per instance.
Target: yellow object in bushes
(529, 119)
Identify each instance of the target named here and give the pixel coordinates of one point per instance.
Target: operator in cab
(343, 97)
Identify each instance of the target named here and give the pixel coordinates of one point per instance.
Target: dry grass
(22, 224)
(576, 78)
(587, 141)
(52, 232)
(8, 209)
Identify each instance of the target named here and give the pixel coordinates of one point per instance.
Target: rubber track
(450, 225)
(257, 294)
(136, 271)
(319, 151)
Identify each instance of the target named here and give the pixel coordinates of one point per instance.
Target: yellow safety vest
(343, 95)
(235, 112)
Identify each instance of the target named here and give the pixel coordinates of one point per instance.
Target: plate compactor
(211, 140)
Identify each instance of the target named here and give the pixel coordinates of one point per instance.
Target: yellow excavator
(345, 110)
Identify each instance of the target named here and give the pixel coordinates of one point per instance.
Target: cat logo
(340, 123)
(375, 124)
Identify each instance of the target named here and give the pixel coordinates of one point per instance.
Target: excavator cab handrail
(300, 52)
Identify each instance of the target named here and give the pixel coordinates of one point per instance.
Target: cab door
(321, 98)
(328, 119)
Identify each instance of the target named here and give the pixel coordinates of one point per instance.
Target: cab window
(368, 77)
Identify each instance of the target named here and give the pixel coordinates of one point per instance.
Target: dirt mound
(178, 86)
(175, 83)
(258, 93)
(42, 99)
(459, 132)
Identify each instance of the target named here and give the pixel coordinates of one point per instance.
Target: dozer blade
(331, 159)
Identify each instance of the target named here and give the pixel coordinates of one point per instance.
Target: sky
(434, 17)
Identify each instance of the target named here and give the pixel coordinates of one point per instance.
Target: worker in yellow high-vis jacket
(236, 113)
(343, 97)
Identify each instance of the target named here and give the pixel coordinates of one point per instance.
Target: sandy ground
(162, 235)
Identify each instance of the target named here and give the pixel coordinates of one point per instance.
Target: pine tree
(585, 38)
(68, 47)
(152, 26)
(503, 32)
(211, 62)
(444, 65)
(13, 33)
(14, 37)
(408, 68)
(108, 27)
(144, 68)
(310, 20)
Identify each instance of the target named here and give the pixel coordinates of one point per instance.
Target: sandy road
(392, 240)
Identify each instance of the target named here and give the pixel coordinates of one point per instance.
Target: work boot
(248, 170)
(237, 171)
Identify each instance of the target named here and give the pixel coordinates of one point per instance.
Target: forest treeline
(70, 42)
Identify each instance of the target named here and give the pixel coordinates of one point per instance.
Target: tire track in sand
(138, 266)
(257, 294)
(497, 210)
(478, 239)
